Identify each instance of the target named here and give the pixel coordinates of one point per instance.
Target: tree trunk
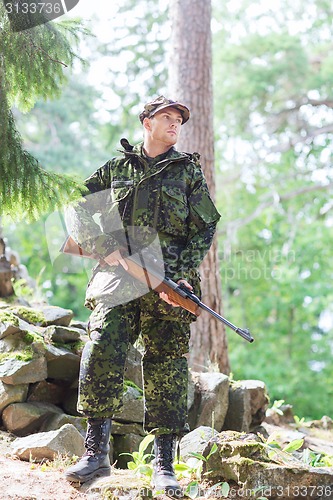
(191, 82)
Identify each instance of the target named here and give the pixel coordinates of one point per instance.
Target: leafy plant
(140, 462)
(184, 469)
(276, 406)
(218, 490)
(298, 421)
(316, 459)
(59, 462)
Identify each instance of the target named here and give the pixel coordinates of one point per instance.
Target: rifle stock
(179, 294)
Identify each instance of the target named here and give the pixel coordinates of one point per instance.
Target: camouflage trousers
(165, 339)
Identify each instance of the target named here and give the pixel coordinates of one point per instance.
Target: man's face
(165, 126)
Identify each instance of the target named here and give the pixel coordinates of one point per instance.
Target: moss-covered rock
(29, 315)
(8, 317)
(252, 464)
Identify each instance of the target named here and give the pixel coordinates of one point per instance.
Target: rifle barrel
(243, 333)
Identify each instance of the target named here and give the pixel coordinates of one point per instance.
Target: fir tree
(32, 64)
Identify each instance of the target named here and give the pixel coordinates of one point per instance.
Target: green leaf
(197, 455)
(145, 443)
(145, 470)
(225, 489)
(192, 489)
(181, 467)
(294, 445)
(213, 450)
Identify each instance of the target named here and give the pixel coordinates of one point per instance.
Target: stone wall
(40, 351)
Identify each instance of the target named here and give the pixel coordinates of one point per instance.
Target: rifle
(148, 274)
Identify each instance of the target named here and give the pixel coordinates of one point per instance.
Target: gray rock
(133, 407)
(242, 458)
(15, 371)
(48, 445)
(133, 370)
(13, 343)
(46, 392)
(196, 441)
(55, 315)
(28, 327)
(69, 402)
(281, 416)
(211, 399)
(239, 415)
(82, 325)
(25, 418)
(12, 394)
(259, 400)
(126, 443)
(191, 395)
(62, 364)
(130, 428)
(56, 421)
(63, 334)
(7, 328)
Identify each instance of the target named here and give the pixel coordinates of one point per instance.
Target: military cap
(160, 103)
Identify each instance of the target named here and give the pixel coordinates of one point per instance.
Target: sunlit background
(273, 115)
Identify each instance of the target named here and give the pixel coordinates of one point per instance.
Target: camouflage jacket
(167, 194)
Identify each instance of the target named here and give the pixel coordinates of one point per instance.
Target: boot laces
(93, 437)
(164, 458)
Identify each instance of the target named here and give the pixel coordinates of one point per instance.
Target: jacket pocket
(120, 189)
(174, 207)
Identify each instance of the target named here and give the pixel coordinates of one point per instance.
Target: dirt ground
(31, 481)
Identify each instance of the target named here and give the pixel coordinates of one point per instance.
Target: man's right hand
(114, 259)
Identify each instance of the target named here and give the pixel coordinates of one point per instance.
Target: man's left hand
(166, 298)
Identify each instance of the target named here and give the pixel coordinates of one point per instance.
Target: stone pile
(40, 349)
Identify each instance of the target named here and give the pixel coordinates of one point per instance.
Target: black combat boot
(95, 461)
(164, 479)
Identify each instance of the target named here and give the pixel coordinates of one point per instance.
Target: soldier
(151, 190)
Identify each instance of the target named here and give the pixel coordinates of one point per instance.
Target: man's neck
(153, 149)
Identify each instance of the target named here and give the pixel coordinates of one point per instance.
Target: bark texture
(191, 82)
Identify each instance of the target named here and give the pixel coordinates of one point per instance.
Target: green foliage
(141, 465)
(277, 405)
(185, 470)
(22, 355)
(9, 317)
(138, 62)
(273, 126)
(66, 133)
(140, 462)
(30, 315)
(218, 490)
(31, 67)
(286, 453)
(316, 459)
(31, 337)
(130, 383)
(33, 60)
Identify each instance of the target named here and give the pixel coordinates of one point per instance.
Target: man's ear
(146, 123)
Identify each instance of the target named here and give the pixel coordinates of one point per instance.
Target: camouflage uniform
(139, 195)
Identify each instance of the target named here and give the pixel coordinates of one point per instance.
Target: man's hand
(114, 259)
(165, 296)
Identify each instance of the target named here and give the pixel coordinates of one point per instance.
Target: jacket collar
(130, 151)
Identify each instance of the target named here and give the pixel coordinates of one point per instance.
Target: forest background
(273, 115)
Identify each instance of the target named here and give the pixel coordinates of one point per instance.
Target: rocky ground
(32, 481)
(25, 480)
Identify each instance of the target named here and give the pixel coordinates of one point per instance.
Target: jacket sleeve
(82, 217)
(203, 218)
